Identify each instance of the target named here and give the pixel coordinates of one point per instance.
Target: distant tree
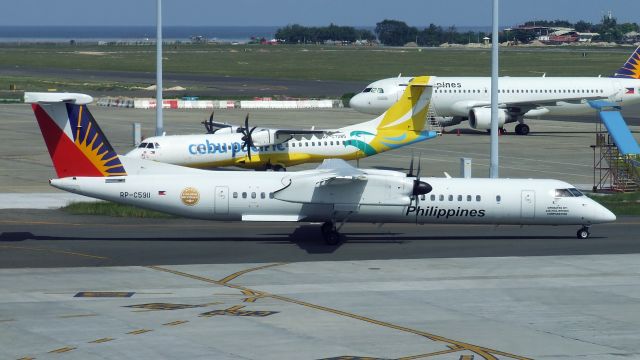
(395, 33)
(431, 36)
(583, 26)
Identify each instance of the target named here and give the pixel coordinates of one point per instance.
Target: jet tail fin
(630, 69)
(76, 144)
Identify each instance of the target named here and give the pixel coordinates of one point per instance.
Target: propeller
(419, 187)
(246, 137)
(410, 174)
(209, 124)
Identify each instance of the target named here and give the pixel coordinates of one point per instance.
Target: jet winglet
(44, 97)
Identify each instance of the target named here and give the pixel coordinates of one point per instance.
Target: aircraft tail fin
(409, 113)
(76, 144)
(630, 69)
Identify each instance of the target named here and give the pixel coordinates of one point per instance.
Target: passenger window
(423, 197)
(293, 144)
(244, 195)
(498, 198)
(459, 197)
(235, 194)
(271, 196)
(450, 197)
(477, 197)
(468, 197)
(306, 144)
(433, 197)
(441, 197)
(262, 195)
(253, 195)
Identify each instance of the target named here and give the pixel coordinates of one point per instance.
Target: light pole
(159, 123)
(493, 171)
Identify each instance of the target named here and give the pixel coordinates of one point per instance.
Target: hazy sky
(308, 12)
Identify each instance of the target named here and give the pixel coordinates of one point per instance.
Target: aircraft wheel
(332, 238)
(278, 168)
(583, 233)
(524, 129)
(518, 129)
(326, 228)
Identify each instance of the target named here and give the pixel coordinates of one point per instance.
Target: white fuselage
(456, 96)
(257, 196)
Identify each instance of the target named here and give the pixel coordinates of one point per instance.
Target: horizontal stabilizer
(45, 97)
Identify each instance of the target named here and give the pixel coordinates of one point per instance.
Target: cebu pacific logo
(190, 196)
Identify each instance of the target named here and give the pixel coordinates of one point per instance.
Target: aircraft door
(618, 91)
(528, 204)
(221, 200)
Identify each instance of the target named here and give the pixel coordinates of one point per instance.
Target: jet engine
(480, 118)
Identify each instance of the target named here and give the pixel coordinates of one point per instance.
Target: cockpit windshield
(572, 192)
(366, 90)
(142, 145)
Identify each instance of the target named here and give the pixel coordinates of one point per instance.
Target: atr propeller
(419, 187)
(209, 124)
(246, 137)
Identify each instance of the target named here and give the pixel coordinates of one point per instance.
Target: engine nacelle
(264, 137)
(480, 118)
(227, 130)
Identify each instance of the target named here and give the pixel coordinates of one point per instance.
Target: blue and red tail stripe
(81, 151)
(630, 69)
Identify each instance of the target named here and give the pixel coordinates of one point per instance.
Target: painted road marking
(53, 251)
(103, 340)
(240, 273)
(76, 316)
(138, 332)
(485, 353)
(177, 322)
(168, 306)
(62, 350)
(104, 294)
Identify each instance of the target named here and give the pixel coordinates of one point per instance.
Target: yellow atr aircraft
(263, 148)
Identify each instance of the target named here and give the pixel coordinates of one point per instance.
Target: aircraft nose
(358, 102)
(603, 215)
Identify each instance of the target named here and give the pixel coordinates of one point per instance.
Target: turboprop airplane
(262, 148)
(457, 99)
(331, 194)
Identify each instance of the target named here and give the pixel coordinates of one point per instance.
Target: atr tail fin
(409, 113)
(630, 69)
(77, 145)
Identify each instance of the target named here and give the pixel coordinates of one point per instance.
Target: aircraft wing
(528, 105)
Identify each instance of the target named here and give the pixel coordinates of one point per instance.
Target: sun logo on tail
(631, 69)
(90, 140)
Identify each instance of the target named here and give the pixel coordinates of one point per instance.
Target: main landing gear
(583, 233)
(330, 233)
(522, 129)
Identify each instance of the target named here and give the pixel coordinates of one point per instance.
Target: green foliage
(298, 34)
(106, 208)
(395, 33)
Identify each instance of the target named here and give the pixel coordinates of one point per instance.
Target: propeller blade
(419, 163)
(410, 174)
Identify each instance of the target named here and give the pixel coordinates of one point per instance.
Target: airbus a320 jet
(332, 194)
(457, 99)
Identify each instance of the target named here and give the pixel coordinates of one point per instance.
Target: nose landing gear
(583, 233)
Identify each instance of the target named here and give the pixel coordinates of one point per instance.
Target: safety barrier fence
(143, 103)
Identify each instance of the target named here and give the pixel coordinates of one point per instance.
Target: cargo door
(221, 200)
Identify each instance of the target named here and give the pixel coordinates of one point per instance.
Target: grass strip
(107, 208)
(620, 203)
